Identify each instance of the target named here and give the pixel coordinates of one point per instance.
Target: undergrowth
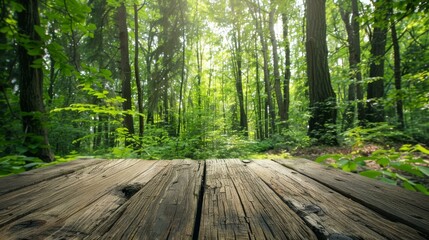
(407, 167)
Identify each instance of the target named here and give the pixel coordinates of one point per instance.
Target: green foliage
(13, 164)
(388, 166)
(17, 163)
(382, 133)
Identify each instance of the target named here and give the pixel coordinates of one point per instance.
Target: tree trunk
(277, 85)
(237, 58)
(286, 81)
(137, 71)
(397, 74)
(375, 90)
(31, 84)
(270, 114)
(259, 122)
(322, 96)
(355, 92)
(125, 69)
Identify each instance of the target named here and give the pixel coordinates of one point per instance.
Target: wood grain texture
(393, 202)
(238, 205)
(13, 182)
(71, 205)
(213, 199)
(165, 208)
(328, 212)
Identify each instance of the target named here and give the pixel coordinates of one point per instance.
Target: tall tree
(137, 70)
(397, 74)
(322, 97)
(277, 85)
(125, 68)
(375, 90)
(31, 82)
(350, 15)
(287, 73)
(269, 110)
(237, 59)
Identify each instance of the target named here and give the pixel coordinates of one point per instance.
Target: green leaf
(41, 32)
(422, 149)
(361, 160)
(390, 174)
(421, 189)
(324, 157)
(350, 166)
(406, 168)
(405, 148)
(383, 161)
(389, 181)
(409, 186)
(371, 173)
(424, 170)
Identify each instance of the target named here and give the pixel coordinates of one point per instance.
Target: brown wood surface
(165, 208)
(391, 201)
(327, 212)
(237, 205)
(213, 199)
(24, 179)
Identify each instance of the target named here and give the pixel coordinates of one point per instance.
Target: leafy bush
(383, 133)
(388, 166)
(14, 164)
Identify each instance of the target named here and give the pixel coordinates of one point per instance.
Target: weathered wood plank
(72, 205)
(13, 182)
(327, 212)
(165, 208)
(239, 205)
(393, 202)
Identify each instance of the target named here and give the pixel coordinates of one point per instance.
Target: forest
(200, 79)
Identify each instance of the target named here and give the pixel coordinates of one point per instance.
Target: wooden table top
(212, 199)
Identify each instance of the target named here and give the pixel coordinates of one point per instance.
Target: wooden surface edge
(369, 192)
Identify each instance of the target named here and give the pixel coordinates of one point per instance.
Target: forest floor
(314, 152)
(407, 167)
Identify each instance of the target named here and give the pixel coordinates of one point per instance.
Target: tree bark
(125, 69)
(397, 75)
(31, 83)
(355, 91)
(277, 85)
(286, 81)
(137, 71)
(238, 69)
(375, 90)
(322, 96)
(270, 115)
(259, 122)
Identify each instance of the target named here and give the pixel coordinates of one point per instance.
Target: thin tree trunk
(31, 84)
(238, 69)
(397, 74)
(259, 123)
(182, 81)
(269, 107)
(355, 92)
(286, 81)
(137, 72)
(125, 69)
(277, 85)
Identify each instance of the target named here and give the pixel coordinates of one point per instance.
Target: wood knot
(130, 190)
(27, 224)
(312, 209)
